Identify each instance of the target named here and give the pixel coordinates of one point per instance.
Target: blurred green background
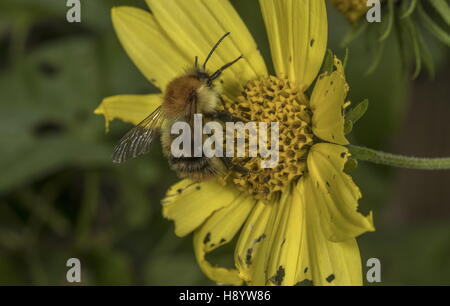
(61, 196)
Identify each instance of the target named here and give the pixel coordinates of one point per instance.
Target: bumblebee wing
(139, 139)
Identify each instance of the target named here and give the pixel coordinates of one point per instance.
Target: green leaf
(345, 62)
(391, 15)
(41, 157)
(443, 9)
(359, 29)
(435, 29)
(348, 127)
(427, 57)
(377, 58)
(350, 165)
(408, 10)
(414, 37)
(46, 112)
(358, 111)
(328, 61)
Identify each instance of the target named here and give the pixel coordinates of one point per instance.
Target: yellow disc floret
(351, 9)
(273, 99)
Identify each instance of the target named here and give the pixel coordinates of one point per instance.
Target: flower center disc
(273, 99)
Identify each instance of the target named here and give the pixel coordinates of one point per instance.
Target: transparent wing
(139, 139)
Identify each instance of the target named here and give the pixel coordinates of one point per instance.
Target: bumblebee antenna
(216, 74)
(196, 62)
(214, 49)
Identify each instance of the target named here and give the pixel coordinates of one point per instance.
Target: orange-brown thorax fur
(178, 94)
(186, 90)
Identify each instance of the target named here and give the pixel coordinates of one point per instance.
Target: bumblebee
(189, 94)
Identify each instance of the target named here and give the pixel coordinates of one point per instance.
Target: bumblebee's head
(194, 92)
(202, 73)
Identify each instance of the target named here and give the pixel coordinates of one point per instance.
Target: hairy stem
(383, 158)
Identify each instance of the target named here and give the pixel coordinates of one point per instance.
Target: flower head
(351, 9)
(297, 221)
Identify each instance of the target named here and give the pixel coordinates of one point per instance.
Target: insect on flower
(189, 94)
(293, 222)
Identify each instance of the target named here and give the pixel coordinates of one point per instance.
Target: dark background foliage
(61, 196)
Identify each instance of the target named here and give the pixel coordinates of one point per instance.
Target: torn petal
(219, 229)
(128, 108)
(327, 104)
(272, 249)
(334, 193)
(329, 263)
(250, 241)
(189, 203)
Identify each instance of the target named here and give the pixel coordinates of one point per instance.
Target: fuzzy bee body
(196, 168)
(189, 94)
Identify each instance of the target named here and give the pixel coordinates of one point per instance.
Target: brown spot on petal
(330, 278)
(248, 256)
(278, 278)
(207, 238)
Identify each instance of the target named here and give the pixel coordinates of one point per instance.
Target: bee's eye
(202, 75)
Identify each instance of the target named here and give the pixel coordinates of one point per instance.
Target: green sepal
(350, 165)
(345, 62)
(443, 9)
(328, 62)
(354, 114)
(433, 27)
(357, 112)
(348, 126)
(408, 8)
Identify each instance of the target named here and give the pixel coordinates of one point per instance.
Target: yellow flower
(353, 10)
(304, 231)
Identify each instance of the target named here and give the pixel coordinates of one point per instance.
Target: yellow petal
(128, 108)
(196, 26)
(250, 241)
(272, 242)
(297, 32)
(188, 203)
(284, 243)
(288, 247)
(219, 229)
(327, 102)
(330, 263)
(151, 51)
(335, 193)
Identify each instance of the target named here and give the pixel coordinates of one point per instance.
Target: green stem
(378, 157)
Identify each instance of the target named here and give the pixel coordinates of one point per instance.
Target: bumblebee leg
(223, 116)
(233, 167)
(223, 103)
